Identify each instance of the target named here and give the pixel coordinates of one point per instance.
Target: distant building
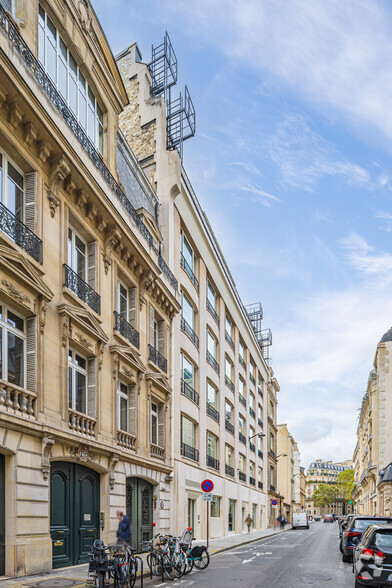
(288, 473)
(324, 472)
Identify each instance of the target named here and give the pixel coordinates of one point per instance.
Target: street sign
(208, 496)
(274, 502)
(207, 486)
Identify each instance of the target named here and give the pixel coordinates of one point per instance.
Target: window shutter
(161, 425)
(161, 337)
(8, 6)
(152, 319)
(91, 365)
(132, 307)
(91, 272)
(30, 199)
(31, 358)
(132, 410)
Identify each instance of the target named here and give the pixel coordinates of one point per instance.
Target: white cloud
(358, 253)
(258, 195)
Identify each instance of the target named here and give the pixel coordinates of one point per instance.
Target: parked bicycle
(116, 561)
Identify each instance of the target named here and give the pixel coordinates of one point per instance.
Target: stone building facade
(373, 451)
(324, 472)
(288, 473)
(86, 299)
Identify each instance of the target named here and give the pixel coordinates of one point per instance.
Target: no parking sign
(207, 486)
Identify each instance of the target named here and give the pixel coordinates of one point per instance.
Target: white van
(300, 519)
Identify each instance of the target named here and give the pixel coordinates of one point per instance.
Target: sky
(291, 163)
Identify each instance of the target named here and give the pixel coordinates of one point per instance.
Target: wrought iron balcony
(229, 340)
(242, 399)
(260, 422)
(272, 488)
(252, 378)
(252, 446)
(260, 485)
(260, 453)
(187, 268)
(126, 330)
(242, 476)
(50, 89)
(157, 358)
(212, 311)
(81, 289)
(229, 470)
(189, 452)
(190, 332)
(187, 390)
(19, 233)
(242, 361)
(229, 427)
(212, 361)
(252, 481)
(212, 462)
(242, 437)
(229, 383)
(252, 412)
(212, 412)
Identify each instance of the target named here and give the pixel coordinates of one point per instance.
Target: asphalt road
(296, 559)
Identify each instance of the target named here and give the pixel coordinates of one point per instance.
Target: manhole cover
(55, 583)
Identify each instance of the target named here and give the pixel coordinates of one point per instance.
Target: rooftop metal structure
(180, 112)
(263, 336)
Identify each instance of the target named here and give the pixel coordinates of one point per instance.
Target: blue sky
(291, 162)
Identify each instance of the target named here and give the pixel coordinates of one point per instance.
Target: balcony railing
(252, 481)
(242, 437)
(190, 332)
(16, 400)
(81, 423)
(189, 452)
(229, 470)
(82, 290)
(229, 427)
(49, 87)
(212, 412)
(126, 441)
(252, 412)
(229, 383)
(252, 378)
(260, 422)
(187, 268)
(126, 329)
(212, 361)
(272, 488)
(260, 453)
(229, 340)
(212, 462)
(19, 233)
(187, 390)
(157, 358)
(252, 446)
(260, 485)
(272, 453)
(242, 361)
(157, 452)
(260, 391)
(242, 476)
(212, 311)
(242, 399)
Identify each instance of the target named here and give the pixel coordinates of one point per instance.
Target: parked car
(343, 524)
(353, 533)
(372, 557)
(317, 518)
(328, 518)
(300, 519)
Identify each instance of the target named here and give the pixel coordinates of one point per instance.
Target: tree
(345, 485)
(325, 495)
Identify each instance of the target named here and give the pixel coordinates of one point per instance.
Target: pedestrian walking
(248, 522)
(282, 521)
(124, 529)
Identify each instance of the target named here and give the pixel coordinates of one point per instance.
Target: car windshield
(383, 539)
(363, 524)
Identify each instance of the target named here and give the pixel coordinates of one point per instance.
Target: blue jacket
(124, 529)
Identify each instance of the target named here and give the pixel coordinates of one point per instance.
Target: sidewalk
(76, 576)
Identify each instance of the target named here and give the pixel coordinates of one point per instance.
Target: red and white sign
(207, 486)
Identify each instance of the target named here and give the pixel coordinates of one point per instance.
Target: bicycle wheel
(154, 563)
(179, 564)
(189, 563)
(168, 567)
(101, 579)
(132, 573)
(202, 561)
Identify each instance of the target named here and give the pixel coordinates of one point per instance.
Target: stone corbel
(69, 185)
(91, 211)
(44, 149)
(101, 349)
(101, 223)
(80, 198)
(113, 461)
(30, 134)
(3, 96)
(112, 240)
(15, 115)
(65, 331)
(60, 170)
(125, 254)
(47, 444)
(42, 316)
(116, 364)
(139, 383)
(142, 301)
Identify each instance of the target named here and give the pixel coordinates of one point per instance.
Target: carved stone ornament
(42, 317)
(30, 134)
(16, 294)
(101, 349)
(47, 444)
(82, 453)
(112, 241)
(112, 466)
(60, 170)
(65, 331)
(80, 338)
(84, 15)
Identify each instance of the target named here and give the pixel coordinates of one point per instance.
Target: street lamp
(257, 435)
(281, 455)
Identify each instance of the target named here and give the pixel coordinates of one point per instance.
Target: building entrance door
(2, 515)
(191, 513)
(74, 512)
(139, 510)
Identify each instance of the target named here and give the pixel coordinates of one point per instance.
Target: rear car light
(378, 556)
(353, 534)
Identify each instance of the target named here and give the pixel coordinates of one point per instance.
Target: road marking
(247, 560)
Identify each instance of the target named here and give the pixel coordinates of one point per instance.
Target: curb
(254, 540)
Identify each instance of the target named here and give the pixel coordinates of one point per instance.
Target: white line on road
(247, 560)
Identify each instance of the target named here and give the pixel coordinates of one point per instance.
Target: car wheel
(346, 558)
(357, 584)
(307, 527)
(341, 547)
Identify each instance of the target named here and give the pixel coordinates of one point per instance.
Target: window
(212, 445)
(154, 423)
(229, 327)
(229, 412)
(228, 455)
(122, 407)
(231, 516)
(126, 303)
(251, 432)
(259, 413)
(252, 401)
(188, 255)
(77, 254)
(260, 474)
(241, 462)
(12, 347)
(241, 424)
(188, 371)
(211, 395)
(211, 344)
(252, 369)
(252, 469)
(215, 507)
(272, 442)
(241, 387)
(228, 368)
(259, 443)
(12, 187)
(241, 351)
(271, 414)
(188, 312)
(61, 66)
(81, 383)
(211, 296)
(157, 334)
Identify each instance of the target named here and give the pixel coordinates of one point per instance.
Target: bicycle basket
(145, 546)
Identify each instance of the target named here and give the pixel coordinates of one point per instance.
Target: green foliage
(325, 495)
(346, 484)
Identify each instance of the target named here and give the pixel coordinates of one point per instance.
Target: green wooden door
(2, 515)
(74, 512)
(139, 510)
